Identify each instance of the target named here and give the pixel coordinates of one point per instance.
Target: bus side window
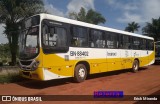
(60, 37)
(120, 41)
(130, 40)
(108, 43)
(115, 40)
(91, 40)
(97, 39)
(52, 37)
(112, 40)
(126, 42)
(45, 32)
(79, 36)
(150, 45)
(143, 44)
(136, 43)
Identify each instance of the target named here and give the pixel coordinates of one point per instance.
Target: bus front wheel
(80, 73)
(135, 66)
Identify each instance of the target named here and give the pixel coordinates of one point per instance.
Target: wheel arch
(137, 60)
(135, 68)
(86, 65)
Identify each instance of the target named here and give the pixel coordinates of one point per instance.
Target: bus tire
(80, 73)
(135, 66)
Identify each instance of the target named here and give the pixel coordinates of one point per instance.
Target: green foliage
(10, 74)
(132, 27)
(90, 16)
(95, 17)
(4, 53)
(11, 78)
(12, 12)
(152, 29)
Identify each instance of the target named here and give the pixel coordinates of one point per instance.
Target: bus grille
(26, 62)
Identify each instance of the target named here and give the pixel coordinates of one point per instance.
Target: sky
(118, 13)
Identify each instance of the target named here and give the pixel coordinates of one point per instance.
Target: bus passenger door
(126, 58)
(144, 60)
(151, 54)
(113, 52)
(113, 59)
(126, 53)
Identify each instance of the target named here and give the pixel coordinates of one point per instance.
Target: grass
(11, 78)
(10, 75)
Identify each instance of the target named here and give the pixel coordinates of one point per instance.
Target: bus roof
(79, 23)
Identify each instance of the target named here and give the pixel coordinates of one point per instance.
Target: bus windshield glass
(28, 43)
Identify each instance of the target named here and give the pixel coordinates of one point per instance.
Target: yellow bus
(53, 47)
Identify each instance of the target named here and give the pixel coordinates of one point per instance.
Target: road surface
(144, 82)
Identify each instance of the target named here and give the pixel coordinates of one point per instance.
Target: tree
(12, 12)
(152, 29)
(90, 16)
(132, 27)
(4, 52)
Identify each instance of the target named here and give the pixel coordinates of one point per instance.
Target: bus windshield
(28, 43)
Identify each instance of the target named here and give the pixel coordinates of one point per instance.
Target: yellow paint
(61, 67)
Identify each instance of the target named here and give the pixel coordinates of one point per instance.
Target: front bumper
(36, 74)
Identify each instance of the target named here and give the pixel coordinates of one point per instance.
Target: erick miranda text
(145, 98)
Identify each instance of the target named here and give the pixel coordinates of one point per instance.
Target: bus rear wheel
(135, 66)
(80, 73)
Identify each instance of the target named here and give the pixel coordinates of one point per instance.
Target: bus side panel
(144, 59)
(97, 65)
(114, 61)
(95, 57)
(57, 67)
(126, 57)
(151, 58)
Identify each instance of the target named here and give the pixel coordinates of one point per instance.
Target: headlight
(35, 65)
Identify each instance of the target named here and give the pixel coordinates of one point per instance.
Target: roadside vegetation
(151, 29)
(10, 78)
(12, 13)
(132, 27)
(10, 74)
(5, 57)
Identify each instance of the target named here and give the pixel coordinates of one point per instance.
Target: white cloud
(75, 5)
(130, 6)
(3, 38)
(117, 4)
(150, 9)
(52, 10)
(140, 11)
(130, 17)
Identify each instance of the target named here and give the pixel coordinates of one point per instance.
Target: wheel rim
(81, 72)
(135, 66)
